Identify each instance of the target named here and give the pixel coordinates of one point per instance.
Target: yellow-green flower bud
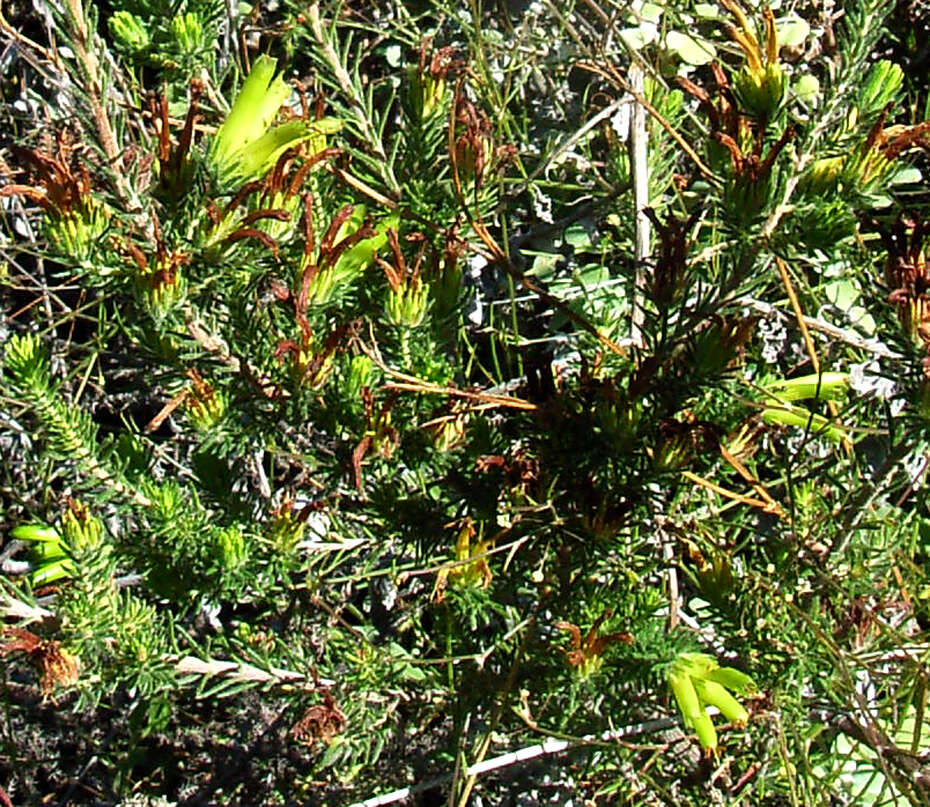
(48, 553)
(188, 32)
(286, 530)
(864, 167)
(128, 32)
(618, 418)
(49, 573)
(259, 156)
(45, 551)
(256, 106)
(35, 532)
(81, 529)
(801, 418)
(713, 694)
(697, 682)
(760, 92)
(734, 679)
(243, 147)
(823, 387)
(425, 93)
(231, 548)
(332, 279)
(407, 305)
(698, 665)
(693, 713)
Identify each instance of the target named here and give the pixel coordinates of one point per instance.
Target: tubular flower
(697, 681)
(408, 297)
(471, 569)
(244, 147)
(74, 220)
(48, 553)
(760, 85)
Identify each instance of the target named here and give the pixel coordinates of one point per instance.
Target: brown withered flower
(408, 297)
(748, 188)
(907, 274)
(160, 278)
(473, 141)
(671, 261)
(521, 470)
(321, 722)
(319, 276)
(586, 652)
(56, 666)
(276, 198)
(721, 111)
(173, 162)
(439, 62)
(753, 168)
(427, 84)
(473, 152)
(380, 437)
(313, 361)
(60, 184)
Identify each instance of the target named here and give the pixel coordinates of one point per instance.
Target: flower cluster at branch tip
(781, 406)
(760, 85)
(587, 652)
(408, 297)
(244, 148)
(74, 220)
(471, 569)
(697, 681)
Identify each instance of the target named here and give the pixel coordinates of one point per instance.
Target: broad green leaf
(807, 88)
(909, 175)
(578, 237)
(792, 31)
(692, 51)
(639, 37)
(650, 12)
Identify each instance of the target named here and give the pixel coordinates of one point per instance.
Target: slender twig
(234, 671)
(612, 75)
(850, 338)
(83, 48)
(805, 333)
(547, 748)
(756, 485)
(799, 314)
(639, 167)
(348, 88)
(767, 507)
